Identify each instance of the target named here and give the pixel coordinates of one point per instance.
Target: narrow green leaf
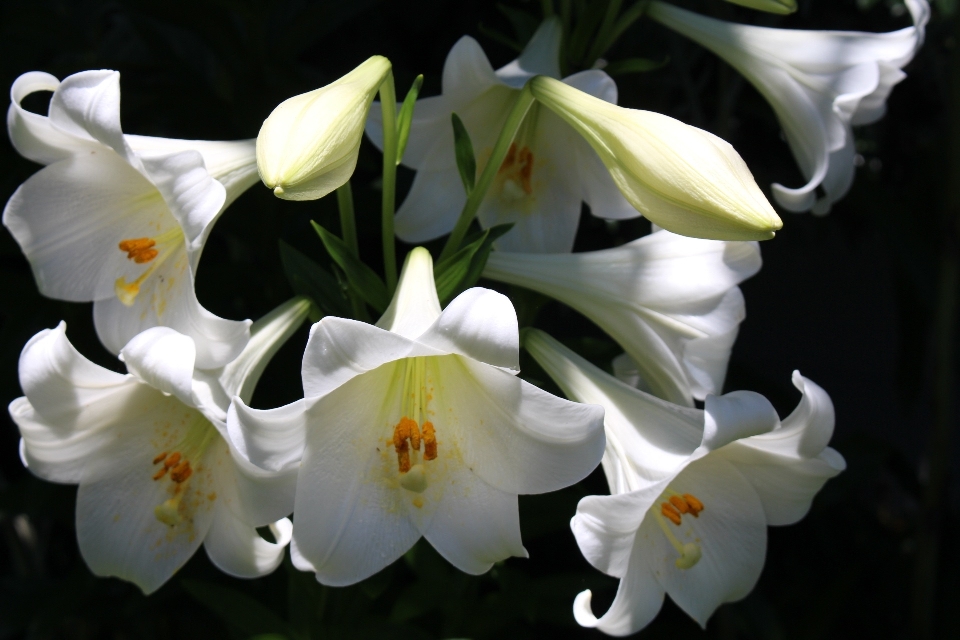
(463, 149)
(635, 65)
(405, 117)
(307, 278)
(236, 609)
(362, 278)
(462, 270)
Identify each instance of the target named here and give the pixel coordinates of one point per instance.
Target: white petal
(432, 206)
(731, 532)
(33, 135)
(87, 105)
(415, 305)
(480, 324)
(474, 525)
(117, 528)
(195, 199)
(271, 439)
(167, 298)
(805, 432)
(541, 56)
(340, 349)
(237, 549)
(351, 518)
(736, 415)
(69, 218)
(164, 359)
(638, 600)
(516, 437)
(606, 526)
(466, 71)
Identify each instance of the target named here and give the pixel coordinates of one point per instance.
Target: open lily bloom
(417, 427)
(157, 476)
(819, 83)
(548, 172)
(692, 490)
(670, 301)
(121, 220)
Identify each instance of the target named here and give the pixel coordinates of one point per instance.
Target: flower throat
(414, 432)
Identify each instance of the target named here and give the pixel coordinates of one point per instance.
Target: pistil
(674, 508)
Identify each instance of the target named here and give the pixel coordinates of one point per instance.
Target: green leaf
(361, 278)
(405, 117)
(236, 609)
(307, 278)
(463, 149)
(635, 65)
(462, 270)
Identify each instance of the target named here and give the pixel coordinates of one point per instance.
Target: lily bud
(783, 7)
(683, 179)
(308, 146)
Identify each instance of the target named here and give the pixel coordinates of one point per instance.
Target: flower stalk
(348, 229)
(388, 106)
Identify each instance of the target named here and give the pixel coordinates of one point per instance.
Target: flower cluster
(418, 425)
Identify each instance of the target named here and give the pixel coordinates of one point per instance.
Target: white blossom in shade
(157, 475)
(819, 83)
(670, 301)
(693, 491)
(119, 219)
(308, 146)
(417, 427)
(548, 172)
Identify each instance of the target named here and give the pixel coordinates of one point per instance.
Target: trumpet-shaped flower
(308, 146)
(819, 83)
(118, 219)
(692, 490)
(547, 173)
(417, 427)
(157, 475)
(671, 302)
(682, 178)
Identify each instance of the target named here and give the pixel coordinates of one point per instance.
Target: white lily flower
(670, 301)
(157, 475)
(546, 175)
(682, 178)
(118, 219)
(417, 427)
(819, 83)
(308, 146)
(693, 491)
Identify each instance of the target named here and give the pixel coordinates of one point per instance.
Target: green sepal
(405, 117)
(635, 65)
(307, 278)
(362, 279)
(462, 270)
(463, 149)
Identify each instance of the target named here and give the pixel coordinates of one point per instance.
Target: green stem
(514, 119)
(348, 229)
(388, 105)
(603, 33)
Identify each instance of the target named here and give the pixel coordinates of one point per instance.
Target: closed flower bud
(683, 179)
(783, 7)
(308, 146)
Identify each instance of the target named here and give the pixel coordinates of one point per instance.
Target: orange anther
(172, 459)
(139, 249)
(695, 505)
(526, 169)
(670, 512)
(403, 457)
(160, 474)
(429, 441)
(181, 472)
(406, 429)
(680, 504)
(510, 158)
(160, 458)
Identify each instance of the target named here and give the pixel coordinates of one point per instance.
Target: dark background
(848, 299)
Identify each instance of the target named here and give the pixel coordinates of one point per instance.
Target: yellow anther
(172, 459)
(517, 168)
(181, 472)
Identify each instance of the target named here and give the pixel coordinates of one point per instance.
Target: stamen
(670, 512)
(429, 441)
(139, 249)
(160, 474)
(173, 459)
(680, 504)
(160, 458)
(517, 171)
(695, 505)
(181, 472)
